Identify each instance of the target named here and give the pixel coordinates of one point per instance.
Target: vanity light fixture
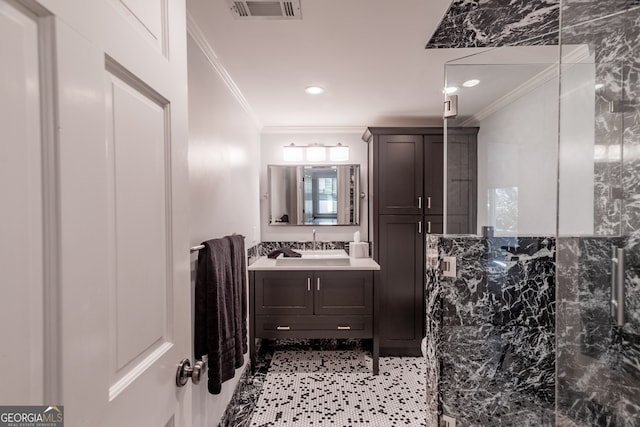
(315, 152)
(314, 90)
(292, 153)
(471, 83)
(339, 153)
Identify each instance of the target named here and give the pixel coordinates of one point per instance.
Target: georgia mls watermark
(31, 416)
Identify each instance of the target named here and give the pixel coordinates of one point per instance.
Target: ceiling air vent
(265, 9)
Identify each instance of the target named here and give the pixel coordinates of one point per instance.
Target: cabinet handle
(419, 227)
(428, 202)
(344, 328)
(429, 227)
(308, 284)
(283, 328)
(419, 202)
(318, 284)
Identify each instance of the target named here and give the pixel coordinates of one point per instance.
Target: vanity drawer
(316, 326)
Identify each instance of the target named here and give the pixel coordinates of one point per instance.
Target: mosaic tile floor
(311, 386)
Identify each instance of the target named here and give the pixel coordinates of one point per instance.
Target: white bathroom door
(21, 210)
(117, 308)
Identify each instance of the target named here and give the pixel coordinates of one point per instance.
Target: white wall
(224, 165)
(517, 147)
(271, 154)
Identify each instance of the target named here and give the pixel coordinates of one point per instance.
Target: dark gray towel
(215, 303)
(286, 252)
(239, 272)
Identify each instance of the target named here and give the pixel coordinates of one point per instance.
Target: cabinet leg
(252, 354)
(376, 357)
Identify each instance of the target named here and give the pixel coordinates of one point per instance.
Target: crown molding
(193, 29)
(313, 129)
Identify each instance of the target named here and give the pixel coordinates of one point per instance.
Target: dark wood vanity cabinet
(311, 304)
(407, 185)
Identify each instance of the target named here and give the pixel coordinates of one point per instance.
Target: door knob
(185, 371)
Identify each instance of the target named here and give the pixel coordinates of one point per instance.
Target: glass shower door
(598, 263)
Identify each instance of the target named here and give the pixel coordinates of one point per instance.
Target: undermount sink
(324, 257)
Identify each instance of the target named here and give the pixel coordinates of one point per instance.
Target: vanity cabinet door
(283, 292)
(343, 292)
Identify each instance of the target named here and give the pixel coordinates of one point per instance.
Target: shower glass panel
(598, 262)
(496, 328)
(511, 95)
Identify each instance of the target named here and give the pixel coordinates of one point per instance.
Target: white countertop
(264, 263)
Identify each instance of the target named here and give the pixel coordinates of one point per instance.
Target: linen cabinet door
(401, 290)
(400, 174)
(433, 174)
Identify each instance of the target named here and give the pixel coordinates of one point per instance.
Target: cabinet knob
(283, 328)
(344, 328)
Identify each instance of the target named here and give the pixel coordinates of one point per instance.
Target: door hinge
(450, 106)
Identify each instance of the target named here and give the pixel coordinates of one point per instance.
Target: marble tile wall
(263, 248)
(488, 23)
(492, 330)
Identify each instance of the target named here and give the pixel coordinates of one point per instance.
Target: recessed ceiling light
(471, 83)
(449, 90)
(314, 90)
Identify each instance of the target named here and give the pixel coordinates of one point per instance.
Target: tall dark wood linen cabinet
(407, 166)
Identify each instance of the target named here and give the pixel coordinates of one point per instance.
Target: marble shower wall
(491, 23)
(492, 330)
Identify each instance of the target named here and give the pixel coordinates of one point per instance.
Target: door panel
(149, 17)
(21, 215)
(433, 224)
(400, 174)
(284, 292)
(138, 145)
(433, 174)
(121, 176)
(402, 284)
(343, 292)
(461, 184)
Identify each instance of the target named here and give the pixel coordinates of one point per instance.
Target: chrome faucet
(313, 246)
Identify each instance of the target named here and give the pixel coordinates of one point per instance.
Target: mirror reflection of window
(314, 194)
(324, 195)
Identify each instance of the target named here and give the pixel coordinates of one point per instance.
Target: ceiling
(369, 55)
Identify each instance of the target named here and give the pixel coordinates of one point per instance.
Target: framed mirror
(314, 194)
